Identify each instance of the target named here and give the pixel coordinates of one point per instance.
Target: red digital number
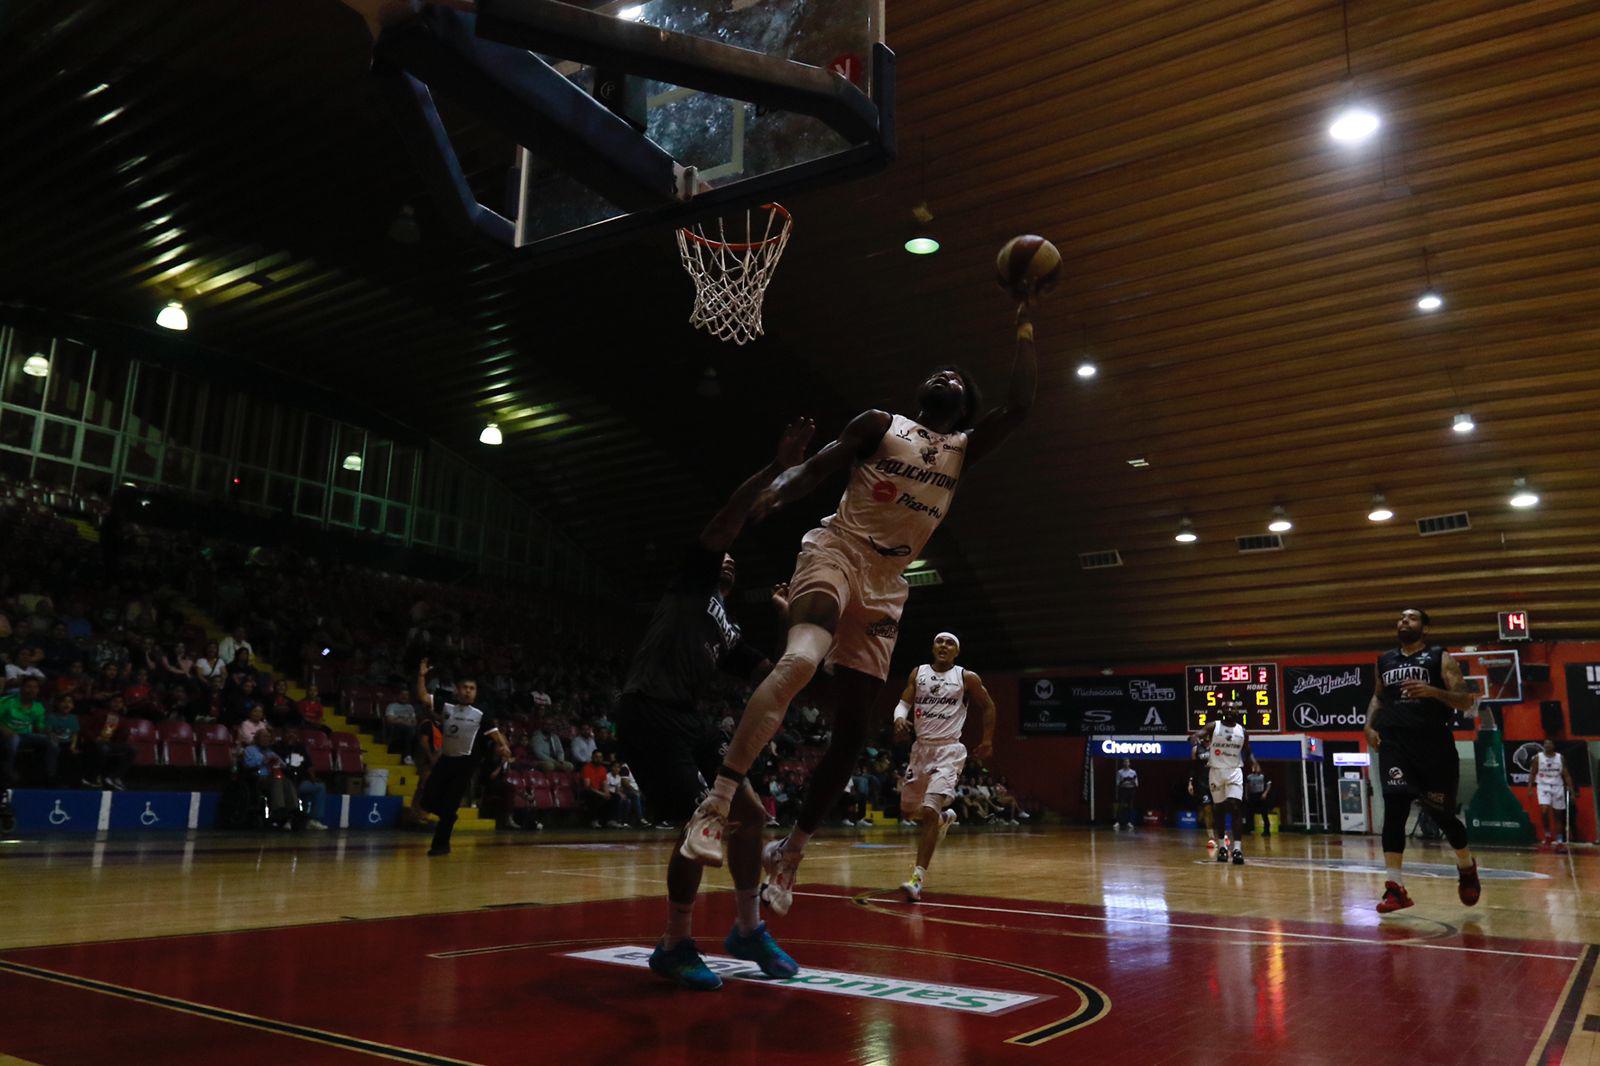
(1261, 677)
(1234, 673)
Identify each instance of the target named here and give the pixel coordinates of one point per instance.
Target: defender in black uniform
(1418, 689)
(674, 749)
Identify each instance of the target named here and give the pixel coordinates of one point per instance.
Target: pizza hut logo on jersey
(884, 491)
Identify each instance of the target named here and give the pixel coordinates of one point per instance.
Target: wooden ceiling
(1246, 287)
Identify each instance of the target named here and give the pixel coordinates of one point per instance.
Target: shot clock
(1249, 688)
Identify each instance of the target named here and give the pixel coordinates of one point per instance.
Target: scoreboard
(1249, 688)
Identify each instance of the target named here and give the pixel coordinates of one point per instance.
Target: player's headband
(950, 637)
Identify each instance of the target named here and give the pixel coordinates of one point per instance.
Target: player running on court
(1552, 783)
(934, 704)
(1408, 724)
(1228, 747)
(848, 591)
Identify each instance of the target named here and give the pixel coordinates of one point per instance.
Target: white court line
(1211, 928)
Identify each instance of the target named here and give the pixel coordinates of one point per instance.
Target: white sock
(748, 900)
(917, 874)
(796, 840)
(680, 920)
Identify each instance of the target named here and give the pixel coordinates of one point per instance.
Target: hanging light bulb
(1280, 521)
(36, 366)
(1463, 423)
(1354, 124)
(922, 241)
(491, 435)
(1380, 509)
(1523, 497)
(352, 462)
(173, 317)
(1186, 533)
(1430, 301)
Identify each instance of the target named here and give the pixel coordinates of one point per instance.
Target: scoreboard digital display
(1249, 688)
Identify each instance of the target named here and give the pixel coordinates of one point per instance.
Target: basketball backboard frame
(631, 116)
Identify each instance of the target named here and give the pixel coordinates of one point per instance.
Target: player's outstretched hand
(1191, 788)
(780, 597)
(902, 730)
(792, 445)
(422, 667)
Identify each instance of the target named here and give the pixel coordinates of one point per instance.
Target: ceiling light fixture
(1280, 521)
(1463, 423)
(1186, 533)
(491, 435)
(36, 366)
(632, 14)
(1138, 462)
(173, 317)
(1522, 497)
(922, 241)
(352, 462)
(1380, 509)
(1355, 123)
(1430, 301)
(1087, 369)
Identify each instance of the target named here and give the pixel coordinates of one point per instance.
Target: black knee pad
(1396, 809)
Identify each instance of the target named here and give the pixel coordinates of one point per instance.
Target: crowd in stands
(96, 643)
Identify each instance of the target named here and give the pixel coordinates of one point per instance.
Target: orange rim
(743, 246)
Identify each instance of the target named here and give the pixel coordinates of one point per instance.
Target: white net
(731, 269)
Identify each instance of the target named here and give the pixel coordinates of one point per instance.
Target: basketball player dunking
(1228, 747)
(935, 699)
(848, 591)
(1408, 724)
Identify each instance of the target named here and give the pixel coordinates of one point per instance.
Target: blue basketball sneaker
(759, 947)
(684, 965)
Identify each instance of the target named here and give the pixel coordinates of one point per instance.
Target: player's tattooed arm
(995, 425)
(985, 705)
(1456, 692)
(858, 441)
(726, 524)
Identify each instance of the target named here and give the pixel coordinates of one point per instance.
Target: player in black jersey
(1418, 689)
(674, 749)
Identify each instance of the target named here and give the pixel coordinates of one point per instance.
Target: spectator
(310, 709)
(583, 746)
(281, 710)
(866, 785)
(22, 729)
(298, 769)
(252, 726)
(105, 758)
(605, 742)
(1258, 800)
(241, 665)
(233, 644)
(597, 795)
(210, 664)
(178, 666)
(74, 682)
(238, 698)
(59, 648)
(25, 664)
(548, 753)
(400, 725)
(62, 724)
(1005, 801)
(139, 696)
(107, 685)
(630, 803)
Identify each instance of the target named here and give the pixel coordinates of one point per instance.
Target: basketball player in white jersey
(934, 705)
(1552, 781)
(460, 723)
(1229, 747)
(848, 591)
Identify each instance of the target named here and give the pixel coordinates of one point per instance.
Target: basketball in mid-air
(1028, 265)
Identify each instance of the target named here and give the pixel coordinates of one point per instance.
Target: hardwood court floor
(1043, 945)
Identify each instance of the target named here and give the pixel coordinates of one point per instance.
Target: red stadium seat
(565, 799)
(216, 754)
(178, 744)
(321, 759)
(537, 779)
(543, 799)
(216, 733)
(138, 730)
(347, 756)
(146, 752)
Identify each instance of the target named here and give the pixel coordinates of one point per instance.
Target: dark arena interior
(937, 532)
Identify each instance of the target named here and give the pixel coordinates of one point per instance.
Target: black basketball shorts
(674, 753)
(1421, 766)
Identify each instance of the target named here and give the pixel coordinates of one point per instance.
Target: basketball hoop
(731, 276)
